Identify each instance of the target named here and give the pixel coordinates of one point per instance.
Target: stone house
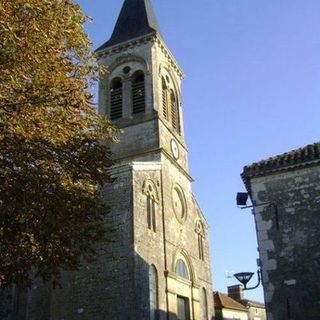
(229, 309)
(285, 192)
(158, 266)
(256, 310)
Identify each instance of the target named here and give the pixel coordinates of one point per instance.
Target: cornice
(151, 38)
(168, 54)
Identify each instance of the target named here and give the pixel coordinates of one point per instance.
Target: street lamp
(245, 277)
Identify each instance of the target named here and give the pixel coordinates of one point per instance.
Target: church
(157, 266)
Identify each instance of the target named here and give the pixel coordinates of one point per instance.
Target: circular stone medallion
(179, 204)
(174, 149)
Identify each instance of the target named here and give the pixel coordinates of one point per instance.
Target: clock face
(174, 149)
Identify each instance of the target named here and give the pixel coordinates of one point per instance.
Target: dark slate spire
(136, 19)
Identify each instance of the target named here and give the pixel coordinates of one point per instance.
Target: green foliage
(52, 161)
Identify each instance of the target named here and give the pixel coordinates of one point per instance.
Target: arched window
(116, 99)
(174, 111)
(153, 292)
(138, 93)
(151, 214)
(182, 270)
(200, 234)
(165, 99)
(200, 243)
(150, 191)
(170, 108)
(204, 305)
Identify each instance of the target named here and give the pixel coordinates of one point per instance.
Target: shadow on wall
(162, 315)
(6, 304)
(152, 279)
(144, 293)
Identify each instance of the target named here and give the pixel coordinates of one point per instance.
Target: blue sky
(252, 90)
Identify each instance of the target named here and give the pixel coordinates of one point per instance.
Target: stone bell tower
(161, 232)
(156, 265)
(141, 92)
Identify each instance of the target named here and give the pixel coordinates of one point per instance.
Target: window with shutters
(164, 99)
(174, 111)
(170, 108)
(116, 99)
(138, 93)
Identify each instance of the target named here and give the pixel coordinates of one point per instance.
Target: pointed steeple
(136, 19)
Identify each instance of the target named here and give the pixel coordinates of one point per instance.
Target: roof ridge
(297, 156)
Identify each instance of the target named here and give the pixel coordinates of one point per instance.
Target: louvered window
(174, 111)
(170, 109)
(116, 99)
(138, 93)
(164, 99)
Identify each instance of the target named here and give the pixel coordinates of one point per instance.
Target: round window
(179, 204)
(126, 70)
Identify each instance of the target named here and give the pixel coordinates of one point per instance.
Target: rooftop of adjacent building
(222, 300)
(135, 20)
(234, 300)
(252, 303)
(302, 157)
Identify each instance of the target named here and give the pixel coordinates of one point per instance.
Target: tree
(52, 159)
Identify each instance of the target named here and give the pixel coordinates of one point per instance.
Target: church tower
(141, 92)
(161, 233)
(156, 265)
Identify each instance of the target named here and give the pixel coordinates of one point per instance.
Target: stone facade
(285, 192)
(227, 308)
(157, 264)
(256, 310)
(146, 145)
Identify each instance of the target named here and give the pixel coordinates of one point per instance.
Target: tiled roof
(222, 300)
(252, 303)
(301, 157)
(136, 19)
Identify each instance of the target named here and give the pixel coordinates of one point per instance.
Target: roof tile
(222, 300)
(305, 156)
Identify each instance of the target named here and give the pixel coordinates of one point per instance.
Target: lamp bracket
(258, 284)
(257, 205)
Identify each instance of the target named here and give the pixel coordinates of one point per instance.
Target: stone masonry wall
(288, 231)
(148, 244)
(104, 290)
(182, 237)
